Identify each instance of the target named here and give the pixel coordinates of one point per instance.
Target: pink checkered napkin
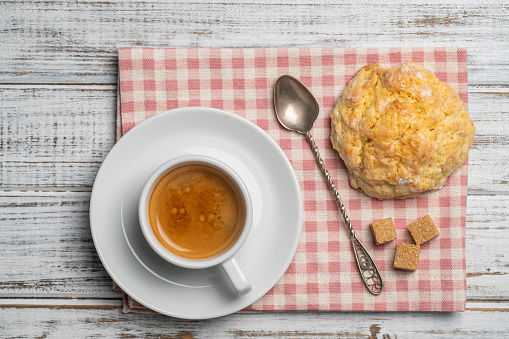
(323, 274)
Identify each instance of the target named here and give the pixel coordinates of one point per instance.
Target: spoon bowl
(296, 108)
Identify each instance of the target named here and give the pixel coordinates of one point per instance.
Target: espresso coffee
(196, 211)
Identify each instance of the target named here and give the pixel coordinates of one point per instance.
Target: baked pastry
(400, 131)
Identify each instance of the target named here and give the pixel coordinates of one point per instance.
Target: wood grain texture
(47, 247)
(57, 136)
(486, 247)
(76, 41)
(48, 250)
(111, 323)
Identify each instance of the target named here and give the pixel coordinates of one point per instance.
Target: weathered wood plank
(57, 136)
(54, 136)
(62, 303)
(111, 323)
(47, 250)
(489, 108)
(76, 41)
(486, 242)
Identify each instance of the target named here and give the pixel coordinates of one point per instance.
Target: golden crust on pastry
(400, 131)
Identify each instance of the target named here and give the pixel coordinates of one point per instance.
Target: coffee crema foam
(196, 211)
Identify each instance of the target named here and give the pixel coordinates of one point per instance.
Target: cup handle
(236, 276)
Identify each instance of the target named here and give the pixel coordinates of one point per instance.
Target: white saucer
(155, 283)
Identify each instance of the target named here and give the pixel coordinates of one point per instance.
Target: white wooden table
(57, 102)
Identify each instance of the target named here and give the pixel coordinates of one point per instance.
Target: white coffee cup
(227, 257)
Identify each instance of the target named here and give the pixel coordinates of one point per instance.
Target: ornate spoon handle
(369, 272)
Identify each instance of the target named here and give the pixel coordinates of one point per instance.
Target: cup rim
(146, 228)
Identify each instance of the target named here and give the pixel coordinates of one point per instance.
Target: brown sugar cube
(383, 231)
(423, 230)
(407, 256)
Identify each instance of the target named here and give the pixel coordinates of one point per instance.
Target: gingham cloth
(323, 274)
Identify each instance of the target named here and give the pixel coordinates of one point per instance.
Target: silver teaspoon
(296, 109)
